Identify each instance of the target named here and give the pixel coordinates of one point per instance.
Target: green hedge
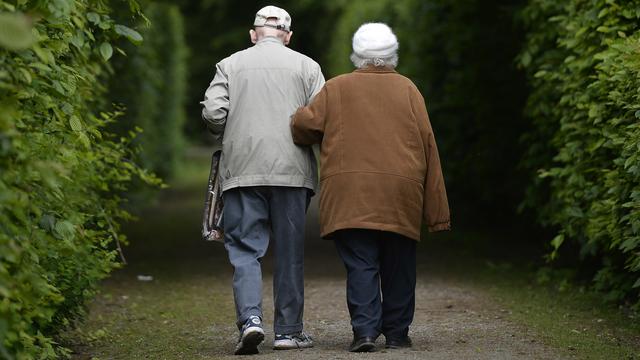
(151, 84)
(582, 58)
(60, 171)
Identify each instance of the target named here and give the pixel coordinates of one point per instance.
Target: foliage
(154, 88)
(582, 59)
(60, 171)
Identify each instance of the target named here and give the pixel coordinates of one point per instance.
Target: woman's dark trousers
(381, 281)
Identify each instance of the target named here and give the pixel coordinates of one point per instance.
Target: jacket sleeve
(435, 204)
(216, 102)
(315, 82)
(307, 124)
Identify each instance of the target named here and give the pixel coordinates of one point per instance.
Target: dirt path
(186, 311)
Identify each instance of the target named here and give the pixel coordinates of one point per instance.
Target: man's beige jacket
(250, 102)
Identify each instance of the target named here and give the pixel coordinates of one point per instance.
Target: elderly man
(380, 176)
(266, 179)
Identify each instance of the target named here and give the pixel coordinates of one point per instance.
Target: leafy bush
(153, 92)
(583, 63)
(60, 171)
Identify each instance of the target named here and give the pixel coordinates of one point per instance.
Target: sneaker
(251, 336)
(292, 341)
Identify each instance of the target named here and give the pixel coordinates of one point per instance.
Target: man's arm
(435, 203)
(315, 82)
(216, 102)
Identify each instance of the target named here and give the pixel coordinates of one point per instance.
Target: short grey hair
(360, 62)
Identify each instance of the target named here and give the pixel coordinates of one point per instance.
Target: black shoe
(363, 344)
(400, 343)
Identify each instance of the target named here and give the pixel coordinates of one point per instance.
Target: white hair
(361, 62)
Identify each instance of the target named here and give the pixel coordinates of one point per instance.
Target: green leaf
(106, 51)
(129, 33)
(93, 18)
(78, 40)
(75, 123)
(44, 54)
(557, 241)
(84, 140)
(48, 222)
(526, 59)
(65, 230)
(15, 32)
(26, 74)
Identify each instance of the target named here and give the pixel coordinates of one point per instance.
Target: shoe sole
(364, 347)
(249, 343)
(291, 346)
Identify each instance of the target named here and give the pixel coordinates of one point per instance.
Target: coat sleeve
(435, 203)
(307, 124)
(216, 102)
(315, 82)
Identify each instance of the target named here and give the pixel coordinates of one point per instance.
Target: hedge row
(582, 58)
(151, 84)
(60, 171)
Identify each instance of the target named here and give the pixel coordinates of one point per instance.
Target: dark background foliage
(150, 83)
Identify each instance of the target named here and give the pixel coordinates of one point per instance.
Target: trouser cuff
(243, 318)
(362, 332)
(287, 329)
(396, 334)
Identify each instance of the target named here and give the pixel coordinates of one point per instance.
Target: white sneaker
(292, 341)
(251, 336)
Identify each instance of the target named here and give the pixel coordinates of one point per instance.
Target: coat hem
(326, 234)
(443, 226)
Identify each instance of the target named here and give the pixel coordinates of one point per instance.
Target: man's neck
(270, 38)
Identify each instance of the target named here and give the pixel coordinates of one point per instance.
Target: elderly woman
(380, 177)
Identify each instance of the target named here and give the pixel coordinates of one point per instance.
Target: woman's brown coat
(380, 167)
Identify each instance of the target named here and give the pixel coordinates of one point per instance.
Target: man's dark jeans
(251, 216)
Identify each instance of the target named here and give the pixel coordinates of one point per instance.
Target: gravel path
(186, 312)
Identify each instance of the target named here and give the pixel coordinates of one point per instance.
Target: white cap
(375, 40)
(282, 17)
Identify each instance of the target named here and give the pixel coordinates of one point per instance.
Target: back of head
(374, 44)
(274, 22)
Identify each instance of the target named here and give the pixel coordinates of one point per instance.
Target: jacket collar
(376, 69)
(270, 39)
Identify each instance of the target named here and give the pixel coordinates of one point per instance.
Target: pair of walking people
(380, 178)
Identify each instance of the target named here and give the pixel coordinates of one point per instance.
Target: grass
(577, 322)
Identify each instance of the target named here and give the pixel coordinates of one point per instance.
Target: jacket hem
(283, 180)
(444, 226)
(326, 234)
